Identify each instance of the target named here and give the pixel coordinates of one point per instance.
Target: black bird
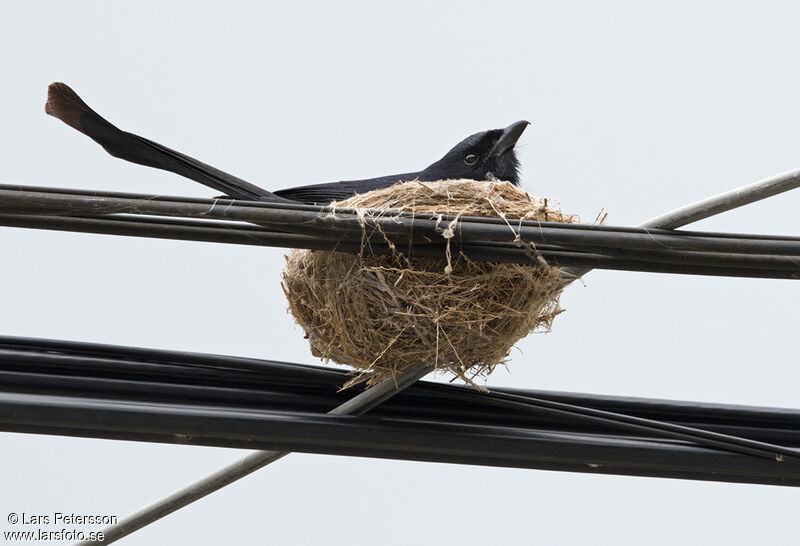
(483, 156)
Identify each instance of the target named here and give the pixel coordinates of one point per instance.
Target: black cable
(694, 263)
(385, 438)
(22, 360)
(349, 226)
(225, 201)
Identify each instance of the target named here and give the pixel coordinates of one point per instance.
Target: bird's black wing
(323, 194)
(64, 104)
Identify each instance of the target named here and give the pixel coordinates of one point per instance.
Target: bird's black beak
(509, 138)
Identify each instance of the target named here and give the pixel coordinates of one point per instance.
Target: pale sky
(636, 109)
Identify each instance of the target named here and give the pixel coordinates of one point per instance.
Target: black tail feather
(64, 104)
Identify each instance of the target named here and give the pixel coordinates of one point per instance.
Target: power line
(80, 392)
(311, 224)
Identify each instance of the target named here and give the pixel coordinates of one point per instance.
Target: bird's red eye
(471, 159)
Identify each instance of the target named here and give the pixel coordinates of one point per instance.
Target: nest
(381, 314)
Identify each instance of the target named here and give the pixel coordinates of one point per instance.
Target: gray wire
(726, 201)
(709, 207)
(357, 405)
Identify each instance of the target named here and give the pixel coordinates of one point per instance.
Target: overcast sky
(636, 109)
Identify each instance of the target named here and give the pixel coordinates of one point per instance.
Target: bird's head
(481, 156)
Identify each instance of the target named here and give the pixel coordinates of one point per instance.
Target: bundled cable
(306, 226)
(80, 389)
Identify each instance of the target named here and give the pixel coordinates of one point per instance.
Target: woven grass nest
(383, 313)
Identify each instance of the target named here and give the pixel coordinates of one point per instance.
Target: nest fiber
(383, 313)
